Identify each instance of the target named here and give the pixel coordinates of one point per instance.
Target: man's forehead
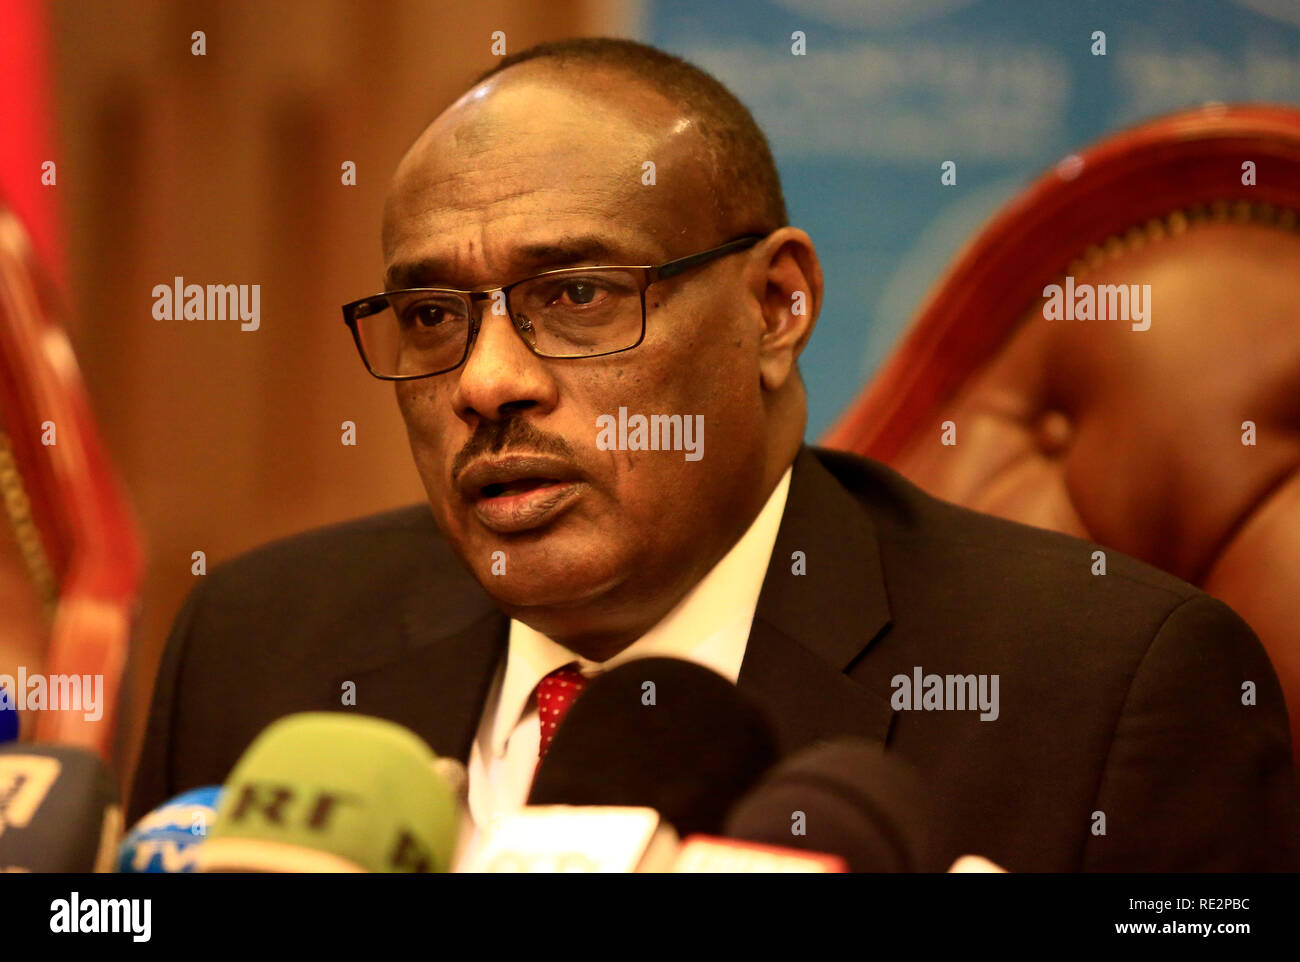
(535, 147)
(455, 261)
(538, 126)
(531, 95)
(469, 234)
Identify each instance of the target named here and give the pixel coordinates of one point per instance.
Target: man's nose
(501, 375)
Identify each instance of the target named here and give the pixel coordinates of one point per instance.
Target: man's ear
(789, 289)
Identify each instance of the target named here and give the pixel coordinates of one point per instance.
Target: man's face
(528, 173)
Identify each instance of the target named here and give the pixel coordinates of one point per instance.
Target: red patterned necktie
(556, 694)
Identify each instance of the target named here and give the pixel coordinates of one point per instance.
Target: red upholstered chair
(70, 559)
(1131, 438)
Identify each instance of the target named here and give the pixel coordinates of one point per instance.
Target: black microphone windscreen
(844, 797)
(661, 733)
(59, 810)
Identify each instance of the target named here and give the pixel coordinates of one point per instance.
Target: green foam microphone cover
(326, 791)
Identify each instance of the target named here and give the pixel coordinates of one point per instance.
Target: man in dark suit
(589, 273)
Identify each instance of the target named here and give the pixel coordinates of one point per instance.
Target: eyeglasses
(576, 312)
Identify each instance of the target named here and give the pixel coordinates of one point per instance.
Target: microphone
(576, 838)
(844, 797)
(975, 865)
(8, 716)
(456, 776)
(328, 792)
(704, 853)
(59, 810)
(166, 840)
(658, 733)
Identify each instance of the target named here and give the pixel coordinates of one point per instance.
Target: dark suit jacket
(1119, 693)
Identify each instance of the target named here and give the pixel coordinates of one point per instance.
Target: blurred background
(226, 168)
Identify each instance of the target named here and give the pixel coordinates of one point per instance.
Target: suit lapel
(452, 639)
(810, 627)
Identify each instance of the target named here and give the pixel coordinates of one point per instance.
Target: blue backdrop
(890, 89)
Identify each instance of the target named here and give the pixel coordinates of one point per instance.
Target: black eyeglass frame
(649, 274)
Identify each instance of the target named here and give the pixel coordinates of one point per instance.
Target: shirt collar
(709, 626)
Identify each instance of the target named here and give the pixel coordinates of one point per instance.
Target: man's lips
(519, 491)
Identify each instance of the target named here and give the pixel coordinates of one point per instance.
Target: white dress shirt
(709, 626)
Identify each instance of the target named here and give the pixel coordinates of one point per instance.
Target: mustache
(493, 437)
